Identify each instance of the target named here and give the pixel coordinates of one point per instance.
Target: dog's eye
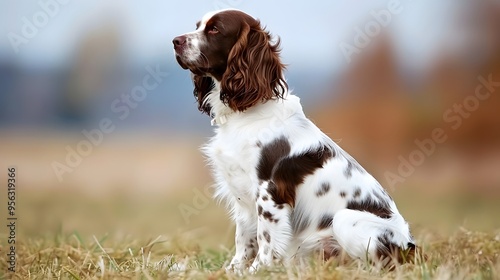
(213, 30)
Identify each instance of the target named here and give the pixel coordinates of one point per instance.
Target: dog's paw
(236, 266)
(258, 264)
(254, 267)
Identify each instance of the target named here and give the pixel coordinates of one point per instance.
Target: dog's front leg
(273, 230)
(245, 239)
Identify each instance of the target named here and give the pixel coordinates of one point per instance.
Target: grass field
(68, 235)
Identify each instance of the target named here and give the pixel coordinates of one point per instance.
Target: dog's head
(232, 48)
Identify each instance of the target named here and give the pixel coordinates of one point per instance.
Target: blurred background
(376, 76)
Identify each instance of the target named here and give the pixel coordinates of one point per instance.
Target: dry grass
(74, 237)
(465, 255)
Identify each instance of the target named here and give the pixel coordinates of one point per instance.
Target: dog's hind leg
(366, 236)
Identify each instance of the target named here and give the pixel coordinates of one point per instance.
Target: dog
(289, 188)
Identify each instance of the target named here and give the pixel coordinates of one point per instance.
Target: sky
(311, 31)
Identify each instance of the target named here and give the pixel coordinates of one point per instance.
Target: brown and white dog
(290, 189)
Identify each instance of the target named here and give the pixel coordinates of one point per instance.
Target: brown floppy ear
(254, 71)
(202, 87)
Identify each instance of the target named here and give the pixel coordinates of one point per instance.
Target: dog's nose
(179, 41)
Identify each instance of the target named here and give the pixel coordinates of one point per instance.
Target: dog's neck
(219, 111)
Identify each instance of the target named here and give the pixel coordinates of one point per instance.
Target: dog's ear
(254, 71)
(203, 85)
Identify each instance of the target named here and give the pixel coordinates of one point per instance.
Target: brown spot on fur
(291, 171)
(323, 189)
(259, 209)
(379, 208)
(270, 155)
(272, 189)
(325, 222)
(265, 198)
(267, 215)
(351, 166)
(357, 192)
(267, 236)
(343, 194)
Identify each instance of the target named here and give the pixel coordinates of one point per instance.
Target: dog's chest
(235, 161)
